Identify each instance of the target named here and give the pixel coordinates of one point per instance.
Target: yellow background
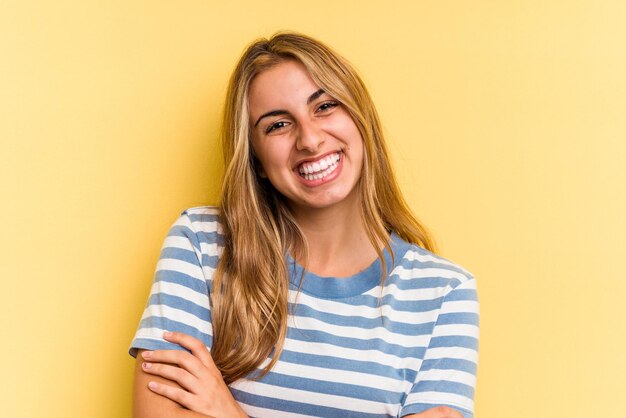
(507, 123)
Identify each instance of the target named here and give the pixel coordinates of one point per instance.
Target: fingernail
(147, 365)
(146, 354)
(152, 385)
(167, 334)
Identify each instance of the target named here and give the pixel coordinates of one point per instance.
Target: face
(307, 143)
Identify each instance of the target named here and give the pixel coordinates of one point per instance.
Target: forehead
(287, 83)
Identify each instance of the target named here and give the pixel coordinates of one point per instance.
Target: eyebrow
(284, 112)
(315, 96)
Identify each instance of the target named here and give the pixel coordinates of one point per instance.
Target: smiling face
(307, 143)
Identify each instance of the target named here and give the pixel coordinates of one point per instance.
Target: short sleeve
(179, 297)
(447, 376)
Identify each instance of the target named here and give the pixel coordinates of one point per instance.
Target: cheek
(345, 128)
(272, 155)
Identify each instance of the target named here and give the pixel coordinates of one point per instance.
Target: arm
(447, 375)
(178, 301)
(179, 394)
(182, 379)
(147, 404)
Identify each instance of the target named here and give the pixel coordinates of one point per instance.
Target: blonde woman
(311, 291)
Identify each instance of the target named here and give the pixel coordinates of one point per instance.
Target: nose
(310, 137)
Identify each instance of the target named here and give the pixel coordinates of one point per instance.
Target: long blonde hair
(250, 288)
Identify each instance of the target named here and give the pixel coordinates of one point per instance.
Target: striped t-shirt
(352, 349)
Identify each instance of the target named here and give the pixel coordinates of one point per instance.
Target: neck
(338, 242)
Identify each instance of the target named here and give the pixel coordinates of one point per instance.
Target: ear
(262, 173)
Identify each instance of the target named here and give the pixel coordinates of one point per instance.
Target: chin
(335, 202)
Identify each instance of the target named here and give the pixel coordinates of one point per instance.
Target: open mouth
(321, 168)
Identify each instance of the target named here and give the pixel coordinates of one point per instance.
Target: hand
(437, 412)
(202, 388)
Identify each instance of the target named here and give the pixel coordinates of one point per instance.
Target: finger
(180, 358)
(196, 346)
(179, 396)
(173, 373)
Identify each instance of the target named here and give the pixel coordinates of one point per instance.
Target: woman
(312, 284)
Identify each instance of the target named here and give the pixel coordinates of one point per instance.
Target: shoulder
(202, 227)
(202, 217)
(418, 268)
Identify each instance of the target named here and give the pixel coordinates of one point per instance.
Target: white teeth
(319, 166)
(321, 175)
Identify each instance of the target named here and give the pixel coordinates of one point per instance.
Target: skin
(291, 122)
(176, 383)
(188, 385)
(311, 124)
(304, 132)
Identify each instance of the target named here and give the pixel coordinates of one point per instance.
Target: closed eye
(326, 106)
(275, 126)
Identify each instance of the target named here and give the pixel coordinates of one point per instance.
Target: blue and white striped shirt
(352, 349)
